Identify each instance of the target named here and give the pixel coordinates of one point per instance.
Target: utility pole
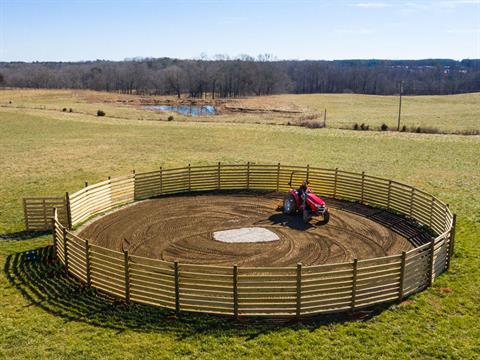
(400, 106)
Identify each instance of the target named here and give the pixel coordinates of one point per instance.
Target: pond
(191, 110)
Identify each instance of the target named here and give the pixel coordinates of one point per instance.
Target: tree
(175, 79)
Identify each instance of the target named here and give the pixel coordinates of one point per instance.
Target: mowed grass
(44, 315)
(452, 113)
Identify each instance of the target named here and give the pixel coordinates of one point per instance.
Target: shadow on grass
(23, 235)
(43, 283)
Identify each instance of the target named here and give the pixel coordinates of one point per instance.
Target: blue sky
(106, 29)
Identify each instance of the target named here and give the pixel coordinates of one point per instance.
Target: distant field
(452, 113)
(47, 152)
(447, 113)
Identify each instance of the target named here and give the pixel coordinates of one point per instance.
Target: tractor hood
(315, 199)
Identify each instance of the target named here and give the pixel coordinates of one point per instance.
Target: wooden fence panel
(375, 191)
(148, 185)
(263, 177)
(38, 212)
(440, 257)
(58, 240)
(267, 292)
(233, 177)
(107, 271)
(152, 282)
(327, 288)
(206, 289)
(175, 180)
(348, 186)
(122, 190)
(77, 261)
(378, 280)
(203, 178)
(100, 197)
(417, 269)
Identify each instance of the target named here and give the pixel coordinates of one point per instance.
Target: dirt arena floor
(181, 227)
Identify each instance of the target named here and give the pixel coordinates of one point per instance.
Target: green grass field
(455, 113)
(446, 113)
(44, 315)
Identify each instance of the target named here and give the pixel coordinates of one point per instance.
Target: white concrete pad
(245, 235)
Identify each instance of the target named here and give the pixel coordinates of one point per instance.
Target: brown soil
(180, 228)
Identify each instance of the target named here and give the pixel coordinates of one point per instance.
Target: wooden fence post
(25, 214)
(299, 291)
(87, 264)
(235, 291)
(134, 185)
(189, 177)
(218, 176)
(248, 175)
(69, 211)
(412, 193)
(177, 288)
(65, 248)
(401, 290)
(363, 187)
(44, 211)
(54, 231)
(335, 184)
(278, 177)
(161, 180)
(308, 171)
(86, 183)
(389, 194)
(430, 218)
(127, 276)
(451, 243)
(432, 263)
(354, 283)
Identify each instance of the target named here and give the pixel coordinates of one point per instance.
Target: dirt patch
(181, 227)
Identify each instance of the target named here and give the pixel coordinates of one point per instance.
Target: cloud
(372, 5)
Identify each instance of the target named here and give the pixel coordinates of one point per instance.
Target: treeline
(225, 77)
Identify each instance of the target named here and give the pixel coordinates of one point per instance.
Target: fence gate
(38, 212)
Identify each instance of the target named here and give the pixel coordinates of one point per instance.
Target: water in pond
(192, 110)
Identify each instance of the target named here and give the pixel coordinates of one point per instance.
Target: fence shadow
(23, 235)
(44, 283)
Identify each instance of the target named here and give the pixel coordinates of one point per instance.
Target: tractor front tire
(326, 217)
(306, 216)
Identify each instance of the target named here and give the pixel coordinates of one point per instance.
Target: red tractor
(304, 201)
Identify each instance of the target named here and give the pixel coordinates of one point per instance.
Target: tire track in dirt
(181, 227)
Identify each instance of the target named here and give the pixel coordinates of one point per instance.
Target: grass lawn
(45, 315)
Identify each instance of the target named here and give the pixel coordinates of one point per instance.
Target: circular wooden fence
(296, 291)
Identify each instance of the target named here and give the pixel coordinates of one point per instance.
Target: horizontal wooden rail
(247, 291)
